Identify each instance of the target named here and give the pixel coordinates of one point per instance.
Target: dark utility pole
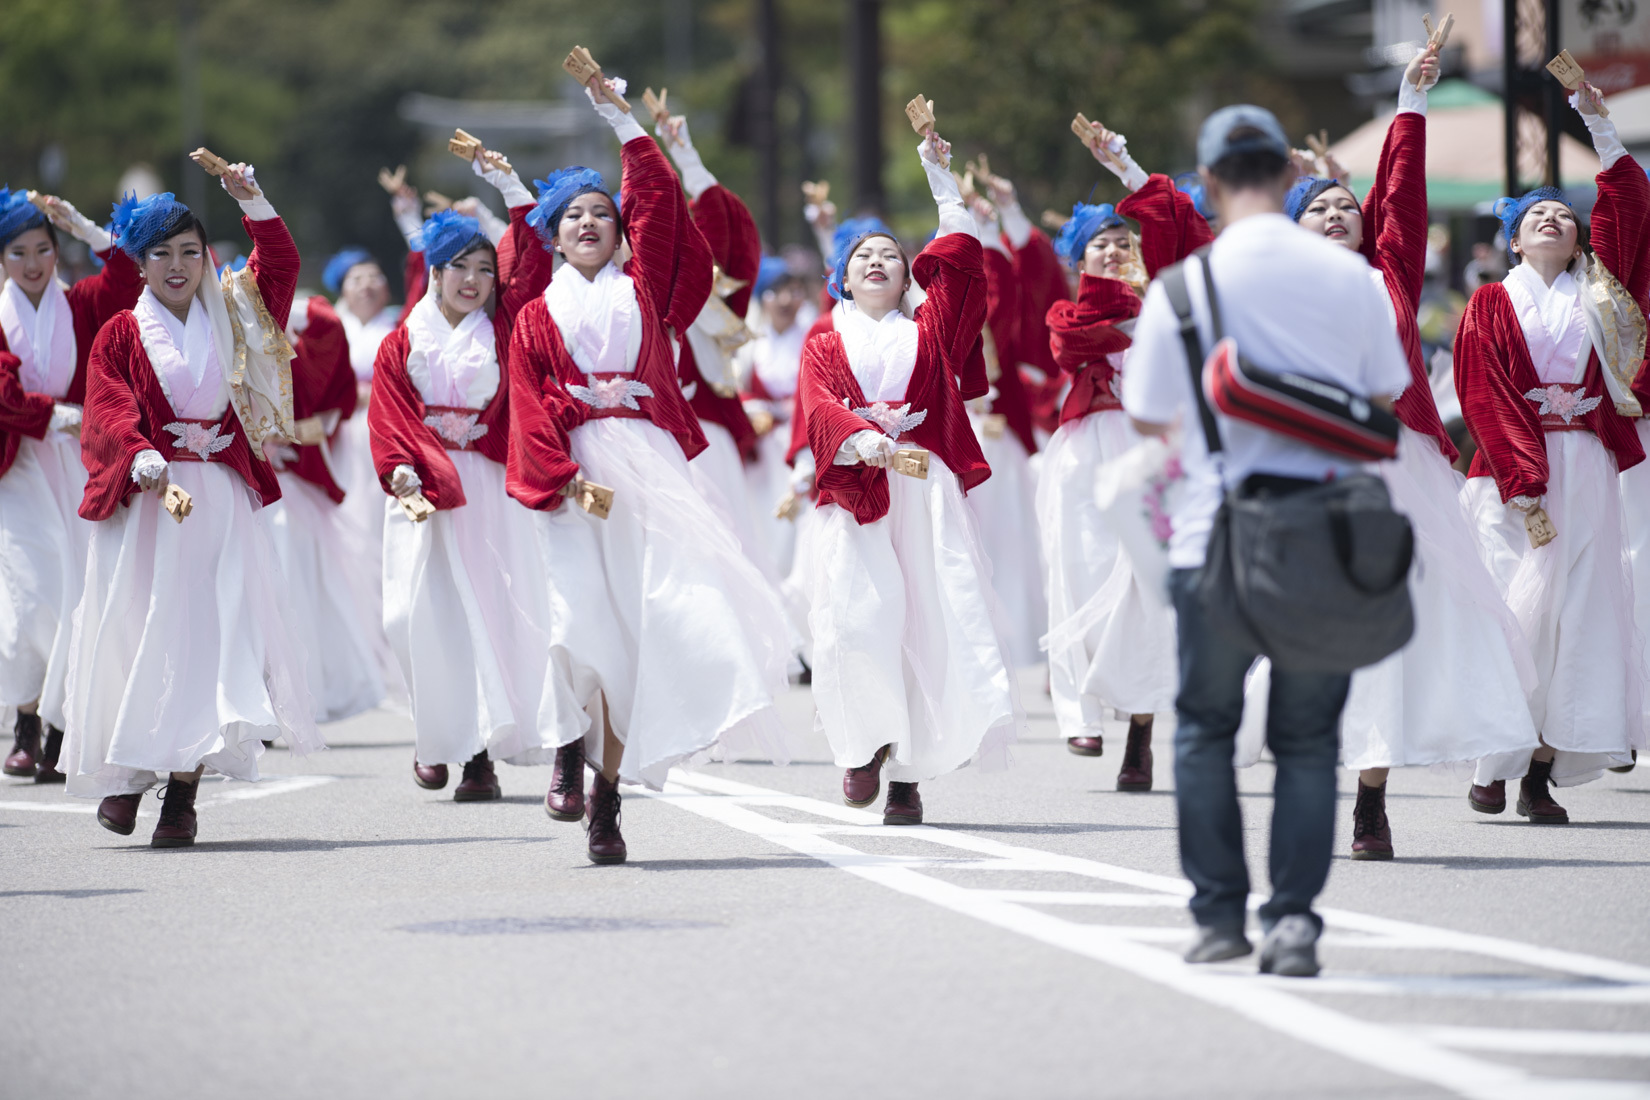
(1510, 79)
(865, 93)
(764, 125)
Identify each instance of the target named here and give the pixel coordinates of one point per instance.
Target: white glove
(625, 126)
(66, 418)
(404, 481)
(257, 207)
(96, 237)
(1015, 223)
(149, 471)
(696, 178)
(802, 474)
(1606, 142)
(1124, 168)
(509, 185)
(869, 447)
(989, 230)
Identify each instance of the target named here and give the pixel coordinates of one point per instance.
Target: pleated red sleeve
(1493, 372)
(952, 272)
(1170, 226)
(415, 281)
(799, 415)
(541, 415)
(126, 412)
(1083, 333)
(670, 261)
(1003, 314)
(322, 381)
(1042, 283)
(92, 301)
(525, 276)
(274, 265)
(823, 384)
(21, 413)
(731, 234)
(1395, 244)
(395, 419)
(1620, 228)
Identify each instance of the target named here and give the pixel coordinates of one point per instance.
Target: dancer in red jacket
(46, 334)
(911, 669)
(688, 646)
(1111, 642)
(1545, 361)
(184, 659)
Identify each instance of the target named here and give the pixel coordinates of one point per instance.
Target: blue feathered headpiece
(1190, 184)
(140, 223)
(1511, 211)
(1086, 221)
(17, 215)
(556, 192)
(772, 270)
(849, 236)
(333, 276)
(1305, 190)
(447, 234)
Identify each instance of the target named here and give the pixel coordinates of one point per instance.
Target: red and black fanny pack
(1310, 410)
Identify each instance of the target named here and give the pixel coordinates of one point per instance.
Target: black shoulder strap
(1173, 279)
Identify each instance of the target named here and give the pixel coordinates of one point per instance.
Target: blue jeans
(1303, 732)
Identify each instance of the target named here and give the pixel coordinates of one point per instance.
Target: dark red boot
(479, 784)
(860, 786)
(48, 772)
(904, 805)
(118, 812)
(1086, 746)
(1371, 832)
(1533, 800)
(432, 777)
(176, 828)
(1490, 799)
(1136, 772)
(565, 799)
(605, 840)
(25, 749)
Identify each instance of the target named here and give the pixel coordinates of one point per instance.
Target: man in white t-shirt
(1292, 301)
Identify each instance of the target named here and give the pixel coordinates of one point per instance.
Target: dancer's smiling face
(1108, 253)
(173, 269)
(588, 234)
(877, 275)
(1336, 216)
(1549, 230)
(467, 281)
(30, 261)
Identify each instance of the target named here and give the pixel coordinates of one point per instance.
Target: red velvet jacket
(126, 410)
(950, 269)
(1002, 320)
(415, 280)
(799, 416)
(322, 381)
(1081, 333)
(1493, 370)
(1395, 244)
(395, 416)
(671, 266)
(92, 301)
(736, 246)
(1042, 281)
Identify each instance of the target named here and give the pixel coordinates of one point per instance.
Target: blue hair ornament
(1305, 191)
(1086, 221)
(17, 215)
(333, 276)
(770, 272)
(141, 223)
(556, 192)
(447, 234)
(1190, 184)
(1511, 211)
(237, 264)
(849, 236)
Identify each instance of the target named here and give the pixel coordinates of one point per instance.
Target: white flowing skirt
(1574, 602)
(719, 475)
(909, 648)
(466, 605)
(767, 480)
(1635, 509)
(183, 653)
(698, 632)
(1129, 661)
(797, 589)
(1005, 506)
(362, 517)
(43, 544)
(313, 546)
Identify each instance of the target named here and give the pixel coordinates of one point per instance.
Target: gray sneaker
(1291, 948)
(1218, 944)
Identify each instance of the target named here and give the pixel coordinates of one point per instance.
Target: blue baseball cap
(1240, 128)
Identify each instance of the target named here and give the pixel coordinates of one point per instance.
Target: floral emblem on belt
(612, 393)
(894, 420)
(200, 440)
(1566, 404)
(460, 429)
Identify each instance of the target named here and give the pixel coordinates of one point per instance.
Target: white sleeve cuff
(65, 417)
(990, 233)
(491, 224)
(411, 226)
(954, 217)
(696, 178)
(1132, 175)
(1411, 100)
(258, 209)
(508, 184)
(1015, 224)
(1606, 142)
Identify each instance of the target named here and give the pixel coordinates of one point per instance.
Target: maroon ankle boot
(1086, 746)
(1490, 798)
(565, 799)
(860, 786)
(48, 772)
(1136, 772)
(480, 783)
(605, 841)
(176, 828)
(1371, 832)
(904, 805)
(25, 749)
(118, 812)
(432, 777)
(1533, 800)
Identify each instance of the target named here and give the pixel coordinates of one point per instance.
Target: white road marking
(1277, 1003)
(240, 792)
(1606, 1044)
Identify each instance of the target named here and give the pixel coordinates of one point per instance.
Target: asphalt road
(338, 932)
